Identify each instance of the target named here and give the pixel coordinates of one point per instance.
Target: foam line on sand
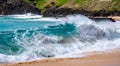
(110, 58)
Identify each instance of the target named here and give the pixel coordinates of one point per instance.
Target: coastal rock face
(8, 7)
(91, 8)
(12, 1)
(68, 11)
(53, 9)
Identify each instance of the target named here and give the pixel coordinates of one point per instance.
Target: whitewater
(31, 37)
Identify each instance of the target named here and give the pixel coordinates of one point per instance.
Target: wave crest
(72, 34)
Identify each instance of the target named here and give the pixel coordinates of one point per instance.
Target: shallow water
(29, 37)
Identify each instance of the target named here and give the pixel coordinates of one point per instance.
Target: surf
(30, 37)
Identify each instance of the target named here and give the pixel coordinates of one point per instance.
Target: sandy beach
(111, 58)
(116, 18)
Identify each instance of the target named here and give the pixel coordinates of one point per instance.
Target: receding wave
(70, 35)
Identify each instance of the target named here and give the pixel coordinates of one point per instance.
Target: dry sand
(116, 18)
(94, 59)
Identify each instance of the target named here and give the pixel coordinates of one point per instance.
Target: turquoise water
(10, 26)
(9, 23)
(28, 37)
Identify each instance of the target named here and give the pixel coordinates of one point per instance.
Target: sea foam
(67, 37)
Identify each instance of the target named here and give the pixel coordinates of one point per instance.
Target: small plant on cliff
(61, 2)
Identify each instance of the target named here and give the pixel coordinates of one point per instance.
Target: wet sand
(94, 59)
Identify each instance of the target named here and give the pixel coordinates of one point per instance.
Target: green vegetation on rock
(61, 2)
(40, 4)
(87, 5)
(26, 1)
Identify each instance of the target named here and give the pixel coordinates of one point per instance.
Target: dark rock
(3, 0)
(47, 7)
(14, 1)
(17, 8)
(102, 18)
(53, 3)
(8, 7)
(58, 12)
(11, 1)
(32, 0)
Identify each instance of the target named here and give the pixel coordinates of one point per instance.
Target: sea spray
(24, 38)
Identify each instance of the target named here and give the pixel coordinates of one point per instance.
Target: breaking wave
(62, 38)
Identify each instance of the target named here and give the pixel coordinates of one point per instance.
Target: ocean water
(29, 37)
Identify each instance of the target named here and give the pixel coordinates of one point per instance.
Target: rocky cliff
(8, 7)
(59, 8)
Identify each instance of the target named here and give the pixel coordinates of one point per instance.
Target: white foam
(48, 19)
(33, 17)
(25, 16)
(78, 20)
(91, 38)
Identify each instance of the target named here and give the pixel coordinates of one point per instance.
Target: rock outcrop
(8, 7)
(68, 11)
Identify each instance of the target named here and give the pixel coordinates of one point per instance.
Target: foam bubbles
(60, 40)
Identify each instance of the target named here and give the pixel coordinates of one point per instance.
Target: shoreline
(112, 18)
(93, 59)
(11, 7)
